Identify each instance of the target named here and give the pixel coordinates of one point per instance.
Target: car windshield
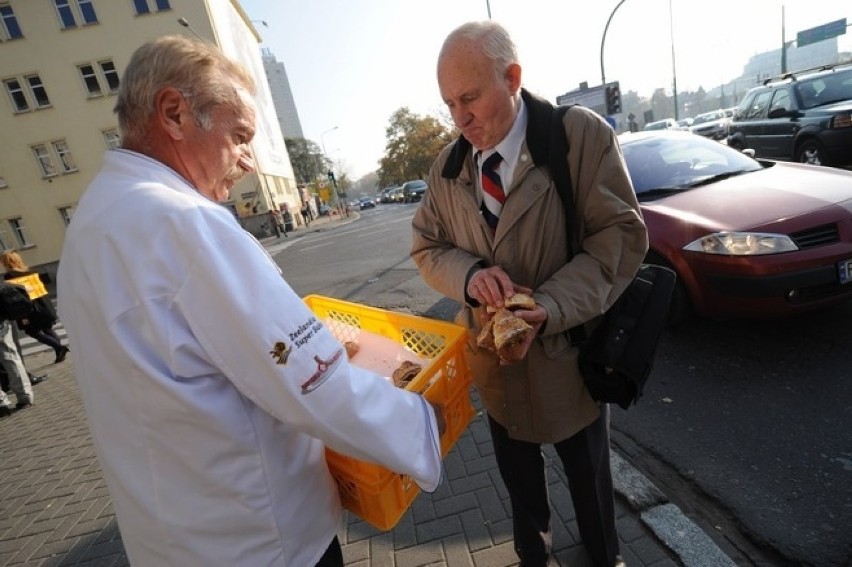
(415, 185)
(660, 165)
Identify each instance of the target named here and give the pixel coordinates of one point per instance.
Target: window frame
(7, 32)
(28, 94)
(145, 7)
(66, 213)
(96, 75)
(73, 14)
(112, 138)
(54, 158)
(19, 231)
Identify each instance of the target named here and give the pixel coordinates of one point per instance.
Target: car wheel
(812, 152)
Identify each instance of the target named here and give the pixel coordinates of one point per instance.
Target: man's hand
(491, 286)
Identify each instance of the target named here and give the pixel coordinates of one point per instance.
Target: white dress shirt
(211, 389)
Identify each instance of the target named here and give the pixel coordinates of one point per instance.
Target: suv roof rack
(792, 75)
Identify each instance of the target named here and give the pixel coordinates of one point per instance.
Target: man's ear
(513, 77)
(172, 112)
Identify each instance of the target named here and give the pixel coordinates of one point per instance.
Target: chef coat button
(524, 157)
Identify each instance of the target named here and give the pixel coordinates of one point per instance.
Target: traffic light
(331, 176)
(613, 99)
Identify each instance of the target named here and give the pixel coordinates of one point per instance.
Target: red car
(747, 238)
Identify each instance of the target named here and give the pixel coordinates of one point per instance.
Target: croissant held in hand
(510, 332)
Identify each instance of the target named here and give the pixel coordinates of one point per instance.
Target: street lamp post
(603, 40)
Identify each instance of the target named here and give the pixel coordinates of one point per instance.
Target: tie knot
(492, 161)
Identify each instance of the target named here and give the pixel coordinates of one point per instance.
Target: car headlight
(742, 244)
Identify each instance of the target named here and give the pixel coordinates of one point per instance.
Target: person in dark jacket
(39, 324)
(10, 359)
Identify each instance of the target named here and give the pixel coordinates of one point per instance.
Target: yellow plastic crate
(372, 492)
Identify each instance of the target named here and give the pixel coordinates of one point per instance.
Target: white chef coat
(210, 387)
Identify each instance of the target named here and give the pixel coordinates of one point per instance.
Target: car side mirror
(781, 113)
(748, 151)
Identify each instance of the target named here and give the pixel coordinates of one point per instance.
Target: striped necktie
(493, 195)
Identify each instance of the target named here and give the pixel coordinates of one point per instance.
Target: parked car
(366, 203)
(746, 237)
(413, 190)
(684, 123)
(804, 117)
(666, 124)
(713, 125)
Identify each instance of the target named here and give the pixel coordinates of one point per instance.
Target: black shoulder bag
(617, 357)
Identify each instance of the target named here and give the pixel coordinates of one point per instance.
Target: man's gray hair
(492, 38)
(199, 70)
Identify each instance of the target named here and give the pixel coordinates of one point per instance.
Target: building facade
(282, 96)
(60, 64)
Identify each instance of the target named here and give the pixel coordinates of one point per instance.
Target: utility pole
(603, 40)
(783, 43)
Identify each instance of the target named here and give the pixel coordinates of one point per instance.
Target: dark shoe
(37, 379)
(5, 411)
(23, 405)
(60, 354)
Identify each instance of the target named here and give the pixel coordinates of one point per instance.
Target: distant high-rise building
(282, 96)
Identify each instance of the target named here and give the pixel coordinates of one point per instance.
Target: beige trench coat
(543, 398)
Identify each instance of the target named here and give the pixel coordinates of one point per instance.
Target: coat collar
(539, 113)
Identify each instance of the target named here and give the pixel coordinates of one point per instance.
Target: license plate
(844, 268)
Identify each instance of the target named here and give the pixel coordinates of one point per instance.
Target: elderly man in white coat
(210, 387)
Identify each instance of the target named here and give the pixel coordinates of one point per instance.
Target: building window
(66, 213)
(38, 91)
(5, 243)
(99, 77)
(26, 93)
(49, 155)
(16, 92)
(148, 6)
(20, 232)
(112, 139)
(72, 11)
(9, 28)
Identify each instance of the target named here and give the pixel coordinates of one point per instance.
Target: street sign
(821, 33)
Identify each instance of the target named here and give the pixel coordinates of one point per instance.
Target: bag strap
(557, 161)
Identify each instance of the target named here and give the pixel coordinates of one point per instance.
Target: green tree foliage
(413, 143)
(307, 160)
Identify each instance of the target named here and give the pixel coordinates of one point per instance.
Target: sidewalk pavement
(55, 509)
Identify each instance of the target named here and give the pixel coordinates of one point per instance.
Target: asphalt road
(746, 425)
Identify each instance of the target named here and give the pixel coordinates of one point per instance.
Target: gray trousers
(10, 358)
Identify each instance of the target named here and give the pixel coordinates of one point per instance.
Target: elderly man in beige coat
(480, 256)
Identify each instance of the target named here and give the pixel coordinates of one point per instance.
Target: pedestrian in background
(491, 224)
(11, 300)
(210, 387)
(39, 324)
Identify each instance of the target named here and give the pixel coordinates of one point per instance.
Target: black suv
(804, 116)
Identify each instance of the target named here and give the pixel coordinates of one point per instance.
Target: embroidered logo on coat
(324, 368)
(280, 352)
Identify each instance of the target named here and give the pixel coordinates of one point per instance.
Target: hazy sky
(353, 63)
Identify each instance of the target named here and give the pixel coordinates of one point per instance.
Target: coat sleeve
(613, 239)
(268, 343)
(443, 265)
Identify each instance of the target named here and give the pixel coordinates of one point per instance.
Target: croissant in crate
(405, 373)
